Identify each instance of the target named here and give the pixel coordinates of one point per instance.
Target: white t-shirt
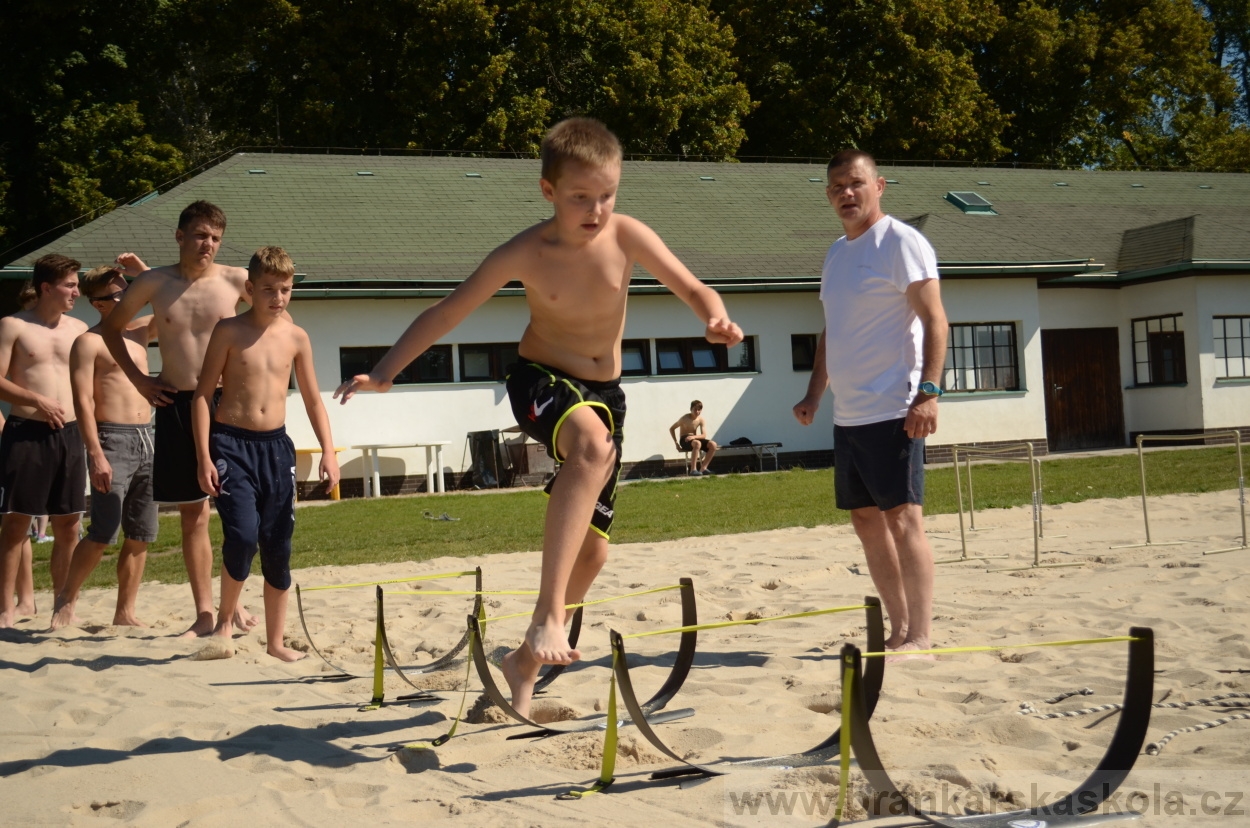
(873, 338)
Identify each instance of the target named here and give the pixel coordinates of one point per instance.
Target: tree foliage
(102, 102)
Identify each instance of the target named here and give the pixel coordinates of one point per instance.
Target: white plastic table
(433, 464)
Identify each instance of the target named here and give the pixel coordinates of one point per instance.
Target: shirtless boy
(115, 421)
(566, 391)
(42, 467)
(690, 434)
(188, 299)
(244, 457)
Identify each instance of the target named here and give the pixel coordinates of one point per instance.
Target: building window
(635, 358)
(982, 357)
(432, 366)
(1158, 350)
(487, 362)
(695, 355)
(803, 351)
(1232, 346)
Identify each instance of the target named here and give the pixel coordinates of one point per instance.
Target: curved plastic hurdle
(672, 684)
(819, 754)
(1121, 753)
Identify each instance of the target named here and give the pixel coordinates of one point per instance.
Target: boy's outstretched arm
(434, 323)
(201, 417)
(113, 329)
(644, 246)
(306, 379)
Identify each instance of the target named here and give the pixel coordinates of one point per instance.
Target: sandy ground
(106, 725)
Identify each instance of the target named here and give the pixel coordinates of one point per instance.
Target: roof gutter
(1162, 271)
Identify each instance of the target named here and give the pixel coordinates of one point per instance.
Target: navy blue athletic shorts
(877, 465)
(543, 397)
(256, 475)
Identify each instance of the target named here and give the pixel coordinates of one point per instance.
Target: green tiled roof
(424, 219)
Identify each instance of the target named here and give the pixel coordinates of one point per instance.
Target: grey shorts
(128, 505)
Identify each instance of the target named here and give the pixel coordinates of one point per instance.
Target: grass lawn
(395, 529)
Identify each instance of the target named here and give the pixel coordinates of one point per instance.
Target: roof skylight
(971, 202)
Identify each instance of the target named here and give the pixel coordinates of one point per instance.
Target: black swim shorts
(43, 470)
(542, 399)
(877, 465)
(174, 468)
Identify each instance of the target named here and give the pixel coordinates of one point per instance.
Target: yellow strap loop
(465, 592)
(719, 624)
(393, 581)
(938, 651)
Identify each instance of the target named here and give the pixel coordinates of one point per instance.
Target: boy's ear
(548, 189)
(249, 287)
(178, 236)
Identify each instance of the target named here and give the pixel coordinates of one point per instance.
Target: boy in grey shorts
(115, 422)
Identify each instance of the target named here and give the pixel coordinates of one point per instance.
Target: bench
(760, 450)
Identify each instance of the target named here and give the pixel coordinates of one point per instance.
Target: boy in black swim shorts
(575, 268)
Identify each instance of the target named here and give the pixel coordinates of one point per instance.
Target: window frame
(1220, 336)
(643, 347)
(500, 357)
(954, 375)
(688, 347)
(410, 374)
(1155, 349)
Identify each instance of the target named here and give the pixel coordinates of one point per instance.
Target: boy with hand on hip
(565, 391)
(244, 457)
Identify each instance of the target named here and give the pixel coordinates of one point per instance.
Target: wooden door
(1084, 397)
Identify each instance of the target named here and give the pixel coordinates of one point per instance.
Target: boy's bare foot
(6, 620)
(63, 615)
(904, 655)
(549, 644)
(126, 619)
(26, 610)
(521, 672)
(243, 619)
(215, 648)
(285, 653)
(203, 626)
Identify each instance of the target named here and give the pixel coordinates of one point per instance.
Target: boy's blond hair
(578, 139)
(270, 260)
(96, 278)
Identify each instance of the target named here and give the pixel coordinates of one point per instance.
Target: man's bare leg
(915, 559)
(221, 643)
(130, 563)
(275, 625)
(26, 582)
(64, 539)
(14, 531)
(197, 554)
(520, 668)
(883, 565)
(82, 563)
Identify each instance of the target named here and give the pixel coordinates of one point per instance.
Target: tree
(1106, 82)
(895, 77)
(1230, 22)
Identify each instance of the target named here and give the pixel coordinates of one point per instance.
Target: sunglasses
(116, 296)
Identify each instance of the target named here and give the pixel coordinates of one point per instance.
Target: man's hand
(101, 473)
(921, 417)
(130, 264)
(328, 470)
(52, 410)
(805, 410)
(722, 331)
(207, 476)
(361, 382)
(155, 391)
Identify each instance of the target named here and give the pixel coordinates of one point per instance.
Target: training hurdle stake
(1073, 809)
(1145, 511)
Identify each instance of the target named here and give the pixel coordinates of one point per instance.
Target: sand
(107, 725)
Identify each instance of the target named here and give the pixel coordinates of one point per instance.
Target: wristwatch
(931, 389)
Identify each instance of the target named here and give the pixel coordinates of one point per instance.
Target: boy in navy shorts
(566, 392)
(244, 457)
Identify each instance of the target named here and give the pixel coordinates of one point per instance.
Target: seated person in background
(690, 434)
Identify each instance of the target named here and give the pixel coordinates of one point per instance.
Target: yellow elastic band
(591, 603)
(719, 624)
(941, 650)
(465, 592)
(393, 581)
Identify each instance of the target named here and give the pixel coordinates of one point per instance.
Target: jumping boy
(689, 433)
(244, 457)
(115, 421)
(565, 392)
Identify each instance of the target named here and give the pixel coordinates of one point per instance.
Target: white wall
(1225, 403)
(1169, 407)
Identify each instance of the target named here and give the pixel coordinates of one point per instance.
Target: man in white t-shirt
(882, 353)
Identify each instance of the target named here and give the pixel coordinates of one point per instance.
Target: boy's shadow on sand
(96, 664)
(283, 742)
